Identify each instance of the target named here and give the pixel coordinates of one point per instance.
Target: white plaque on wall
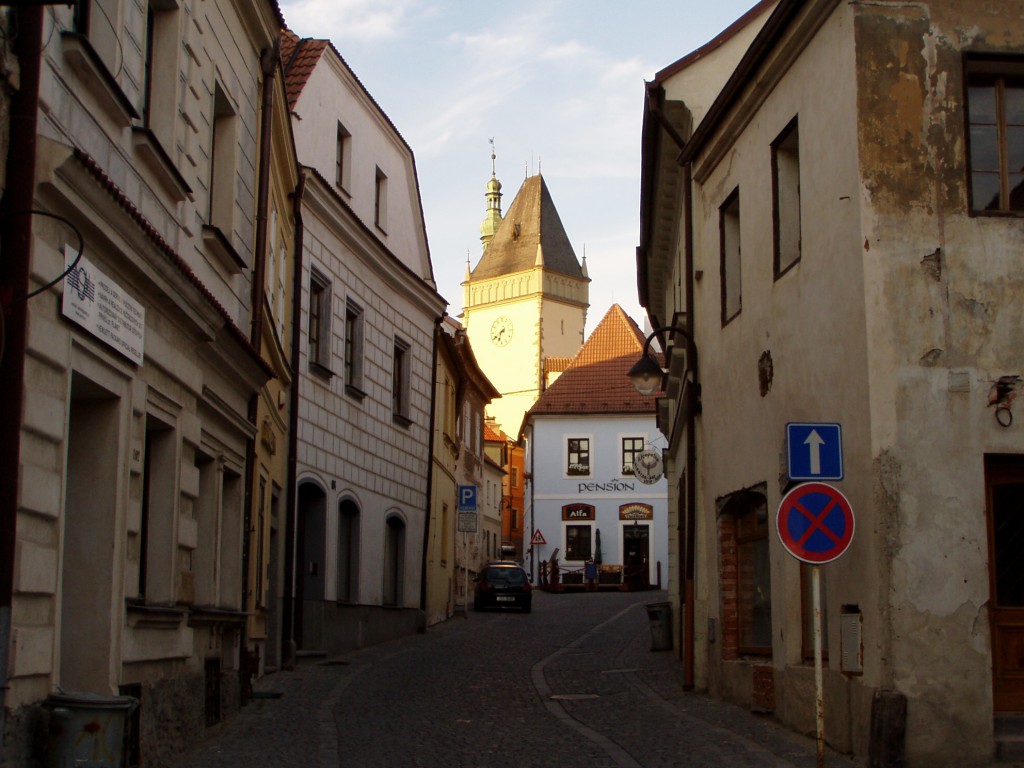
(102, 307)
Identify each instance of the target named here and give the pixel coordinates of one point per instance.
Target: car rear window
(506, 576)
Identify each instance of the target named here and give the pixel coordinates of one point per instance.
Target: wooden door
(1004, 483)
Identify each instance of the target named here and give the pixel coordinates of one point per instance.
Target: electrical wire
(32, 294)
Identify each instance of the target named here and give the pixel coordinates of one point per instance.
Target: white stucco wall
(606, 488)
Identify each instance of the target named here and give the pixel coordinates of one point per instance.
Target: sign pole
(819, 702)
(465, 575)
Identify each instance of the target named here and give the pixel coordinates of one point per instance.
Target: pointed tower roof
(531, 234)
(596, 381)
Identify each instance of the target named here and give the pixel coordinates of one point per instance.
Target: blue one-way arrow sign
(814, 451)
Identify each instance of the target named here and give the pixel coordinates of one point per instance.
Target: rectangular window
(380, 201)
(319, 329)
(995, 121)
(400, 382)
(577, 542)
(754, 579)
(343, 172)
(353, 348)
(92, 18)
(163, 42)
(631, 447)
(729, 229)
(515, 477)
(578, 458)
(786, 198)
(223, 162)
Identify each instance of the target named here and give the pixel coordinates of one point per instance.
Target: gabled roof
(714, 44)
(492, 435)
(596, 381)
(299, 57)
(531, 225)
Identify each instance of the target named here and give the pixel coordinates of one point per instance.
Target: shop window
(577, 542)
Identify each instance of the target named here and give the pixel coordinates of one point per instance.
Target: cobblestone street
(574, 683)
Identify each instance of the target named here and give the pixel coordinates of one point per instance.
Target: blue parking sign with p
(467, 498)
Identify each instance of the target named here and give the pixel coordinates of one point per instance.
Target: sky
(557, 84)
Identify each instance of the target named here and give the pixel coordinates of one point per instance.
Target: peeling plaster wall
(809, 323)
(943, 310)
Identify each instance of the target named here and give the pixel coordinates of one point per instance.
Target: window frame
(343, 158)
(580, 452)
(730, 265)
(223, 161)
(999, 70)
(401, 362)
(353, 352)
(380, 200)
(318, 347)
(571, 545)
(786, 200)
(624, 451)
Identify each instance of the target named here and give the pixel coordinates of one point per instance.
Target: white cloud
(342, 20)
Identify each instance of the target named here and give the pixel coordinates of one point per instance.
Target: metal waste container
(660, 616)
(87, 730)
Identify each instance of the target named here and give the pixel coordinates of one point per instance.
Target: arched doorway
(394, 560)
(309, 577)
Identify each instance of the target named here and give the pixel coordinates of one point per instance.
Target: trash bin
(660, 616)
(87, 729)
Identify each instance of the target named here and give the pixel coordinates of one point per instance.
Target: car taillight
(527, 587)
(483, 586)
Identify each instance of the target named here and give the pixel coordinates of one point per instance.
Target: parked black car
(503, 584)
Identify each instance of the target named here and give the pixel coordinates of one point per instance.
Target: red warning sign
(538, 538)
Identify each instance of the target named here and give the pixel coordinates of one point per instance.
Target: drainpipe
(268, 64)
(16, 236)
(692, 395)
(288, 649)
(430, 470)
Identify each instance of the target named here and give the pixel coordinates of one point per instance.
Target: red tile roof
(299, 57)
(595, 381)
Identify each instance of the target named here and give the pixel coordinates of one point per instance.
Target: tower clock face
(501, 331)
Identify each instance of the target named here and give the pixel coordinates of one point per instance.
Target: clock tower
(526, 299)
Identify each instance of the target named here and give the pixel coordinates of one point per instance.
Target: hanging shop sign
(648, 466)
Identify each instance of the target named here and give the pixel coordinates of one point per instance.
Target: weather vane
(493, 171)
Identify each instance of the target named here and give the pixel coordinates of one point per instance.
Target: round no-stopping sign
(815, 523)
